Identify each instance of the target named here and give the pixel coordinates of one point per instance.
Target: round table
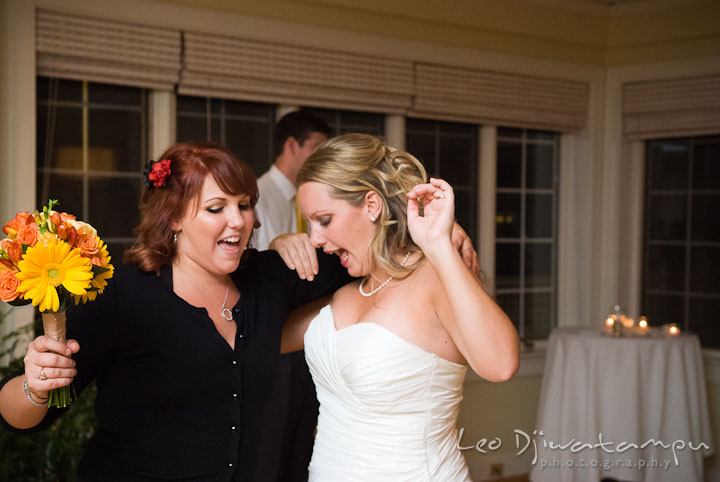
(632, 408)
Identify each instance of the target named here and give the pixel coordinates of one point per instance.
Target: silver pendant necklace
(382, 285)
(225, 312)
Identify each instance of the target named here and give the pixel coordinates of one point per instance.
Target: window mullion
(85, 152)
(523, 186)
(688, 238)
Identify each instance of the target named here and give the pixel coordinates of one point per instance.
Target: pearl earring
(372, 218)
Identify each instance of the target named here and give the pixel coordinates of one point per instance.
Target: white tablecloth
(607, 393)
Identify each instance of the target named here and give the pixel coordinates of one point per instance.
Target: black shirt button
(235, 396)
(230, 465)
(234, 363)
(232, 428)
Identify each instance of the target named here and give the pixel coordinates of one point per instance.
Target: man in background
(288, 426)
(297, 135)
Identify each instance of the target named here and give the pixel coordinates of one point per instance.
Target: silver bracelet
(29, 396)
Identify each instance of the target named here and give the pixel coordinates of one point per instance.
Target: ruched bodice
(387, 407)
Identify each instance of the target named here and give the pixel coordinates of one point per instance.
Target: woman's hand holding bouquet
(47, 259)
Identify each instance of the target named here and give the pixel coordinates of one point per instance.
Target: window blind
(498, 98)
(85, 48)
(247, 69)
(681, 107)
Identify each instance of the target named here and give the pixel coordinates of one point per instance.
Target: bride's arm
(296, 324)
(480, 329)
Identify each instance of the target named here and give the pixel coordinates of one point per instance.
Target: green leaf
(19, 302)
(98, 270)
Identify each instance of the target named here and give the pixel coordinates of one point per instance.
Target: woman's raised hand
(297, 252)
(48, 365)
(438, 205)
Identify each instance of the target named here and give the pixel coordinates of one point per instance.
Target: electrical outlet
(496, 470)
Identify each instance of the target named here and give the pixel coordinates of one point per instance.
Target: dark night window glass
(507, 265)
(449, 150)
(525, 228)
(347, 121)
(667, 216)
(508, 219)
(509, 165)
(681, 256)
(96, 174)
(246, 128)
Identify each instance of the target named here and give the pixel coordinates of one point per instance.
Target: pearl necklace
(383, 284)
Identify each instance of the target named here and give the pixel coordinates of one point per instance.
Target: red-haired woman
(185, 340)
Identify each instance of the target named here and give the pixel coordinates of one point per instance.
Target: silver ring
(42, 375)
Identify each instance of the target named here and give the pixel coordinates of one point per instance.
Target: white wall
(17, 120)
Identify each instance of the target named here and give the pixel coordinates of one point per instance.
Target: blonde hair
(353, 165)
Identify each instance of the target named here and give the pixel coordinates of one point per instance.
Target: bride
(389, 353)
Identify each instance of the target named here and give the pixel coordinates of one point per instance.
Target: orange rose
(8, 286)
(46, 238)
(28, 234)
(6, 265)
(68, 233)
(57, 218)
(98, 260)
(65, 217)
(13, 226)
(88, 245)
(13, 248)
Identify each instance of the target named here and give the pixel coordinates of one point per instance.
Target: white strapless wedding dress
(387, 407)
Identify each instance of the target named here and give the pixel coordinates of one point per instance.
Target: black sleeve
(331, 276)
(293, 291)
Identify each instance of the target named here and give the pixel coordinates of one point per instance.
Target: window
(347, 121)
(91, 151)
(449, 150)
(681, 266)
(526, 229)
(246, 128)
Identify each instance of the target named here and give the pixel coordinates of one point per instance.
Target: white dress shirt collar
(287, 188)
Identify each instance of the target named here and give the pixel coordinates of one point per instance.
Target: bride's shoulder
(346, 292)
(426, 275)
(426, 284)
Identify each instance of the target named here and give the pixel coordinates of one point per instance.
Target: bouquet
(49, 258)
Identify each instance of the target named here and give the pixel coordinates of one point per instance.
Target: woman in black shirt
(185, 340)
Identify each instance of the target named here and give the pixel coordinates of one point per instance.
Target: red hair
(160, 207)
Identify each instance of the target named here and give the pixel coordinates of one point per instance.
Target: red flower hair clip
(156, 172)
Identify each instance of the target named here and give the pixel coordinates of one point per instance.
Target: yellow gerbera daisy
(99, 282)
(44, 268)
(103, 257)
